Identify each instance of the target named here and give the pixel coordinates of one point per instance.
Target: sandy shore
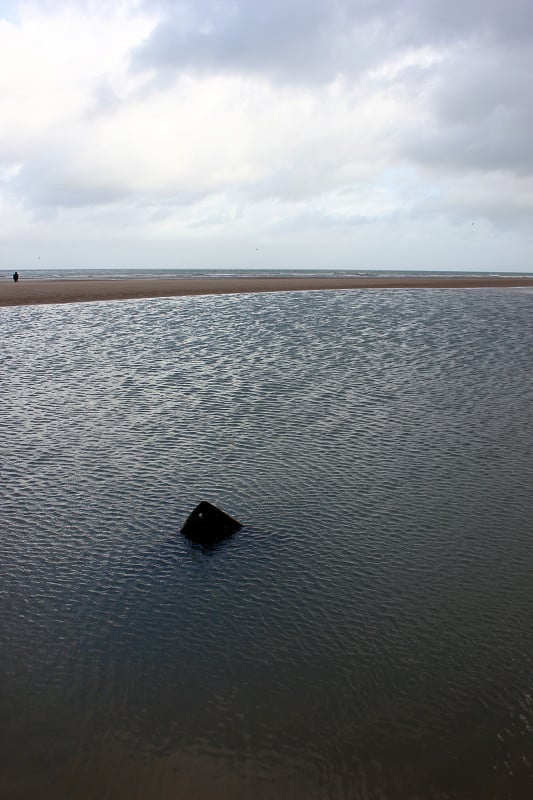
(30, 292)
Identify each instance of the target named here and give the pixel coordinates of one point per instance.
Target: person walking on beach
(16, 277)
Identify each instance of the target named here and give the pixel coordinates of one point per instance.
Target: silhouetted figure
(16, 277)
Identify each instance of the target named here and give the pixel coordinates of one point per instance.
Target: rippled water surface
(367, 634)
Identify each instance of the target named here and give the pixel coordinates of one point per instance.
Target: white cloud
(157, 121)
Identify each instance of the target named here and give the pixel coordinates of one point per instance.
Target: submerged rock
(207, 523)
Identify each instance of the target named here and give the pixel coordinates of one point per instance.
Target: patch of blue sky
(9, 10)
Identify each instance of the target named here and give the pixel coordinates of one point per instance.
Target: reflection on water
(366, 634)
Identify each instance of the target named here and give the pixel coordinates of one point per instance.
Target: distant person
(16, 277)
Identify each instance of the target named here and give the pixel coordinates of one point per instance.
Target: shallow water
(368, 632)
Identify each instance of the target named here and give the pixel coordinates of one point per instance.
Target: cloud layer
(359, 133)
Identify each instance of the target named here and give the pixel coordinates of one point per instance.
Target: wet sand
(32, 292)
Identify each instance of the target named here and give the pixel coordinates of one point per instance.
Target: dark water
(366, 635)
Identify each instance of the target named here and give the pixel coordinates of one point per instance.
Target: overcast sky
(266, 133)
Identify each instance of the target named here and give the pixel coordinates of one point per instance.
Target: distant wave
(115, 274)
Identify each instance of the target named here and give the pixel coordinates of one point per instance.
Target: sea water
(367, 634)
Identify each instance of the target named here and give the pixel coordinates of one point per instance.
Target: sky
(330, 134)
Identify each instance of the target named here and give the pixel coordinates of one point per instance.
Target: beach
(36, 291)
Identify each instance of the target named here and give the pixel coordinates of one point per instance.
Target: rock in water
(207, 523)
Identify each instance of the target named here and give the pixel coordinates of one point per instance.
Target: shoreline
(37, 292)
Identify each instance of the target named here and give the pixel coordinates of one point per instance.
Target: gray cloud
(482, 112)
(477, 100)
(302, 41)
(312, 222)
(50, 181)
(314, 40)
(445, 22)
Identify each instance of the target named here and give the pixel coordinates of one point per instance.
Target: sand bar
(34, 291)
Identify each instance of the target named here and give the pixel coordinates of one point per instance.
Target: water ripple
(365, 635)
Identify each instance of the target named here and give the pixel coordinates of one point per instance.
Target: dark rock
(207, 523)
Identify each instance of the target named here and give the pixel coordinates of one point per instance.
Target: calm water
(368, 632)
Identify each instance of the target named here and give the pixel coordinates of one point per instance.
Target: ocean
(366, 634)
(150, 272)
